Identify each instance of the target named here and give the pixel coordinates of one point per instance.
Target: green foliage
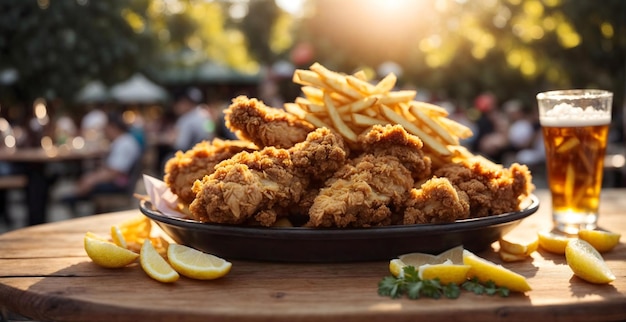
(461, 48)
(413, 287)
(57, 46)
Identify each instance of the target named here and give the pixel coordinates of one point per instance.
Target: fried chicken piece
(436, 201)
(263, 186)
(394, 141)
(492, 189)
(265, 126)
(365, 191)
(185, 168)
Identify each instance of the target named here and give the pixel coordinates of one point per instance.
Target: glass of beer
(575, 125)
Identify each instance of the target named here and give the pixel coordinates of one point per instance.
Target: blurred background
(484, 61)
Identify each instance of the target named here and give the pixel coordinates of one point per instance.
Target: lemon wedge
(448, 266)
(156, 266)
(118, 237)
(509, 257)
(601, 240)
(587, 263)
(486, 270)
(446, 273)
(106, 254)
(396, 267)
(196, 264)
(519, 245)
(552, 242)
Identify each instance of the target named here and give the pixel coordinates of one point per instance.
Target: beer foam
(568, 115)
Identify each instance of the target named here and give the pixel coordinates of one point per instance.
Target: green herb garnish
(489, 288)
(413, 287)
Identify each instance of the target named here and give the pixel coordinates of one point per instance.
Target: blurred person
(92, 123)
(534, 154)
(491, 139)
(115, 174)
(521, 131)
(64, 129)
(194, 123)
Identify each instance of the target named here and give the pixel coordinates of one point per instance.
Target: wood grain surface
(45, 275)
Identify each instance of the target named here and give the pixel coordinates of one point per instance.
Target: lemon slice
(447, 266)
(602, 241)
(156, 266)
(455, 255)
(396, 267)
(587, 263)
(486, 270)
(519, 245)
(118, 237)
(418, 259)
(446, 273)
(196, 264)
(96, 236)
(106, 254)
(552, 242)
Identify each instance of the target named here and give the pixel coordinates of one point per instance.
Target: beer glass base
(572, 222)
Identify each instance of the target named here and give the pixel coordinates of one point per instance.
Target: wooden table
(33, 163)
(45, 275)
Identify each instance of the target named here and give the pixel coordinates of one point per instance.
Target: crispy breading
(436, 201)
(265, 185)
(265, 126)
(365, 191)
(185, 168)
(492, 189)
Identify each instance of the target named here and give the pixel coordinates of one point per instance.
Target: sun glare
(293, 7)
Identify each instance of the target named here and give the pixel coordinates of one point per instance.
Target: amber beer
(575, 161)
(575, 131)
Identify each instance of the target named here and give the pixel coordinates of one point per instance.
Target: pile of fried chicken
(285, 170)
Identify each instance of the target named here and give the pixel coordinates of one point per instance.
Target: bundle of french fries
(350, 104)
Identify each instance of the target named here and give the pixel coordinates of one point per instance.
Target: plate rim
(344, 233)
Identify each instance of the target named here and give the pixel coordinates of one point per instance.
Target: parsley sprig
(414, 287)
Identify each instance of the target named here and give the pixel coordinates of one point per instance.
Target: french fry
(386, 84)
(310, 106)
(313, 94)
(350, 104)
(358, 106)
(457, 129)
(360, 75)
(434, 126)
(364, 120)
(307, 77)
(340, 126)
(296, 110)
(396, 97)
(336, 81)
(317, 122)
(360, 85)
(430, 109)
(411, 128)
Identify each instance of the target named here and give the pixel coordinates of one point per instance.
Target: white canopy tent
(138, 89)
(93, 92)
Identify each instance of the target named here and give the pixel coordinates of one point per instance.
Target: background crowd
(66, 70)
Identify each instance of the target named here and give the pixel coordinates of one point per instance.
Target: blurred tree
(257, 26)
(55, 47)
(513, 48)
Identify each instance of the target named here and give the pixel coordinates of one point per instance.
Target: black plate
(297, 244)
